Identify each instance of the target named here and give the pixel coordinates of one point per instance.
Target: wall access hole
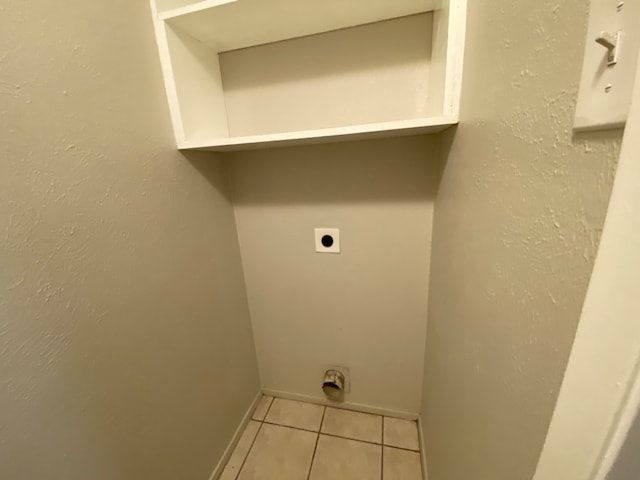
(327, 240)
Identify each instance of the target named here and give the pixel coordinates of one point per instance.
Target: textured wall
(365, 307)
(517, 221)
(125, 344)
(599, 397)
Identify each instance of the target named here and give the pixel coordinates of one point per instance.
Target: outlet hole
(327, 241)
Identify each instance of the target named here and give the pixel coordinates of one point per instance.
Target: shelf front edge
(328, 135)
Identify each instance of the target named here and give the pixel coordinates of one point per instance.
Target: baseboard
(235, 439)
(423, 450)
(346, 405)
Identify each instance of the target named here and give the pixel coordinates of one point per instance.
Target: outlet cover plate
(327, 240)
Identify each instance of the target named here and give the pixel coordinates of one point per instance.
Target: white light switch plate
(605, 90)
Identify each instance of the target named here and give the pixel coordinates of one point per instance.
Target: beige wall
(600, 393)
(330, 79)
(365, 307)
(517, 221)
(169, 4)
(125, 343)
(627, 465)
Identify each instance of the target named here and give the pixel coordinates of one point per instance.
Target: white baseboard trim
(235, 439)
(423, 450)
(346, 405)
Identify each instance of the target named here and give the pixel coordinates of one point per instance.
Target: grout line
(313, 456)
(339, 406)
(324, 412)
(382, 453)
(267, 412)
(400, 448)
(273, 399)
(353, 439)
(318, 433)
(340, 436)
(244, 460)
(289, 426)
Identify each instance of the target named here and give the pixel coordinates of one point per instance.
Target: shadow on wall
(584, 138)
(405, 169)
(373, 47)
(627, 465)
(208, 165)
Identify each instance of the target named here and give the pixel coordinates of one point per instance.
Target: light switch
(609, 64)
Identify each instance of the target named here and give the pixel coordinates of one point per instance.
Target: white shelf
(229, 87)
(233, 24)
(400, 128)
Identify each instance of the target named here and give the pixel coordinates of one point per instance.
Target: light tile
(295, 414)
(262, 408)
(401, 433)
(356, 425)
(279, 453)
(401, 465)
(232, 468)
(339, 458)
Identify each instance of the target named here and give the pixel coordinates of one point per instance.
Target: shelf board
(192, 8)
(399, 128)
(232, 24)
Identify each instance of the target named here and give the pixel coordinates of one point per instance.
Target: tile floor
(289, 440)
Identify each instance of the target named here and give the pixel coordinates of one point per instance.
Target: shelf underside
(419, 126)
